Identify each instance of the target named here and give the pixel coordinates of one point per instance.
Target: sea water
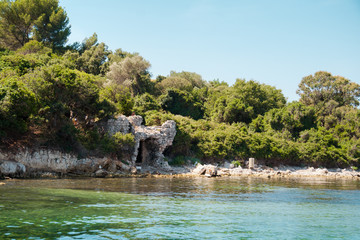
(180, 208)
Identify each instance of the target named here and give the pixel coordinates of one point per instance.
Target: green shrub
(177, 161)
(17, 104)
(236, 163)
(124, 140)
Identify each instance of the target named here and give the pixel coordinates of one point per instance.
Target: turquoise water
(157, 208)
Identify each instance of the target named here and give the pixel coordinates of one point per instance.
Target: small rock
(227, 165)
(200, 169)
(124, 167)
(133, 170)
(210, 170)
(101, 173)
(322, 171)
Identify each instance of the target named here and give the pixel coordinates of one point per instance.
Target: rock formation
(150, 143)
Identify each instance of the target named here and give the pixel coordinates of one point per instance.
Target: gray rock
(135, 120)
(134, 170)
(11, 168)
(199, 170)
(211, 171)
(151, 142)
(101, 173)
(120, 124)
(207, 170)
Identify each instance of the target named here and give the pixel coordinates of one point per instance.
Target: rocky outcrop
(150, 143)
(29, 162)
(119, 124)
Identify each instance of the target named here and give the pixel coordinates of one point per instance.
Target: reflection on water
(179, 208)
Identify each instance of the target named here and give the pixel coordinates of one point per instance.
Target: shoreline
(283, 172)
(211, 171)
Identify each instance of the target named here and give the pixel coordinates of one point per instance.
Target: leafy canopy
(41, 20)
(322, 87)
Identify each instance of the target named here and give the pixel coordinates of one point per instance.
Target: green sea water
(179, 208)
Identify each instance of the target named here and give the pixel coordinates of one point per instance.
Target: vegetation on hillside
(52, 94)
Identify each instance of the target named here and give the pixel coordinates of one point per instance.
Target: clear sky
(276, 42)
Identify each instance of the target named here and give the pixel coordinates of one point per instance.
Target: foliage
(185, 81)
(294, 118)
(236, 163)
(144, 103)
(17, 104)
(41, 20)
(124, 139)
(59, 96)
(194, 78)
(93, 56)
(214, 141)
(182, 103)
(132, 73)
(322, 87)
(243, 102)
(120, 97)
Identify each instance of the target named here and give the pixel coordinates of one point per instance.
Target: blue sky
(274, 42)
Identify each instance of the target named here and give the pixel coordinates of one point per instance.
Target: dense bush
(17, 104)
(182, 103)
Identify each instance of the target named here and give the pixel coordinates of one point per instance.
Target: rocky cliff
(150, 143)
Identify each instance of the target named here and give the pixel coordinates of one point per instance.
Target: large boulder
(12, 169)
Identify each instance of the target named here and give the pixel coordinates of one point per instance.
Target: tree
(230, 109)
(322, 87)
(194, 78)
(131, 72)
(174, 82)
(244, 101)
(144, 103)
(42, 20)
(260, 97)
(17, 103)
(182, 103)
(93, 56)
(294, 118)
(66, 95)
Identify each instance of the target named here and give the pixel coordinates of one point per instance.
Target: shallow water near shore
(180, 208)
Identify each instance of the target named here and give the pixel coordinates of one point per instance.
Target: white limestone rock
(11, 168)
